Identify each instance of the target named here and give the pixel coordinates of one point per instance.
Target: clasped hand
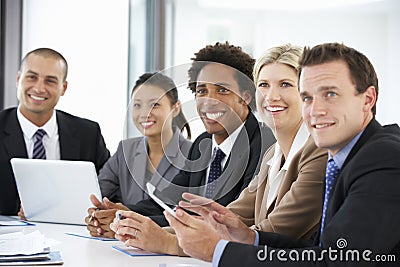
(198, 236)
(224, 221)
(101, 216)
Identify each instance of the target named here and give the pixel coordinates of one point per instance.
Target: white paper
(28, 244)
(12, 223)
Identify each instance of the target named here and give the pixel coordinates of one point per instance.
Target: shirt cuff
(257, 239)
(219, 249)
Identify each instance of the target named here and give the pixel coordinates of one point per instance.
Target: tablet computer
(150, 190)
(55, 191)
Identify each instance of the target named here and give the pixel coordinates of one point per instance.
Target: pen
(91, 215)
(120, 217)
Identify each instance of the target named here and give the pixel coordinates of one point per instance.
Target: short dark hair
(362, 72)
(230, 55)
(168, 86)
(47, 52)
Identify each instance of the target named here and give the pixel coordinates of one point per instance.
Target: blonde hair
(285, 54)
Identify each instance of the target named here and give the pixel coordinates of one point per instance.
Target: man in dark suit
(41, 81)
(221, 78)
(360, 215)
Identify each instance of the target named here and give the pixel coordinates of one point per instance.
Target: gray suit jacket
(122, 179)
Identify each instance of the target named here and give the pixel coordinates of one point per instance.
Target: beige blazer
(296, 211)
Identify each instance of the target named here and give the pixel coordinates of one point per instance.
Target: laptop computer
(55, 191)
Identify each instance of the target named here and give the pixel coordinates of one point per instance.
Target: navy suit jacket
(363, 211)
(80, 139)
(241, 166)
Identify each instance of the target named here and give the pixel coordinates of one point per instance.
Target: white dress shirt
(226, 147)
(50, 140)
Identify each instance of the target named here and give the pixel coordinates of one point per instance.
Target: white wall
(388, 110)
(93, 36)
(372, 28)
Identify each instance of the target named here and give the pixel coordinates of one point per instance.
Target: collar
(227, 144)
(341, 156)
(172, 149)
(29, 129)
(300, 139)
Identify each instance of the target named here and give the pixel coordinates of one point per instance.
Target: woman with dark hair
(155, 157)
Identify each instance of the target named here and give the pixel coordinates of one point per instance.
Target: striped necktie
(38, 149)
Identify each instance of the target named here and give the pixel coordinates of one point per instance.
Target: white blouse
(275, 174)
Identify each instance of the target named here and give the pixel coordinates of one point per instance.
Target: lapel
(13, 137)
(139, 162)
(171, 154)
(200, 160)
(291, 174)
(281, 191)
(262, 211)
(241, 148)
(236, 165)
(171, 157)
(369, 131)
(69, 141)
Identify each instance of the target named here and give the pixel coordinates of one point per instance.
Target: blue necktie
(38, 149)
(215, 172)
(331, 174)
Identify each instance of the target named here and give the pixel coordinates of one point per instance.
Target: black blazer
(241, 166)
(363, 209)
(80, 139)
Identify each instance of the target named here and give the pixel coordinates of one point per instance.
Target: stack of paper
(26, 249)
(10, 221)
(9, 224)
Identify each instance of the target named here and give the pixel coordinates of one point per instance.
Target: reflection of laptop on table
(55, 191)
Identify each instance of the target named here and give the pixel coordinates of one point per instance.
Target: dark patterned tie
(38, 149)
(331, 174)
(215, 172)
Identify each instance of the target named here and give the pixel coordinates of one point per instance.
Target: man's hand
(101, 215)
(21, 213)
(196, 237)
(225, 222)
